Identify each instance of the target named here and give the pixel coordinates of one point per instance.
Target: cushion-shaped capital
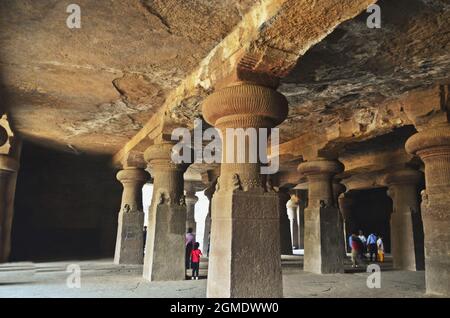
(435, 138)
(245, 105)
(320, 167)
(132, 175)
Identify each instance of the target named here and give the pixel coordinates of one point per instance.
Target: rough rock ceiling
(91, 89)
(355, 68)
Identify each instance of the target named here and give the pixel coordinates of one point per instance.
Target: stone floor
(101, 278)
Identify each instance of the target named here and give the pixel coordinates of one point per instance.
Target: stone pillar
(433, 147)
(212, 176)
(191, 200)
(302, 204)
(323, 253)
(209, 192)
(292, 211)
(285, 231)
(346, 208)
(338, 189)
(165, 244)
(406, 221)
(130, 229)
(8, 174)
(245, 225)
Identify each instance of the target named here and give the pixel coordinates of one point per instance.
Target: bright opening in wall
(201, 210)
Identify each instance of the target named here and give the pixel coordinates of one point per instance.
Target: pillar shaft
(285, 230)
(130, 235)
(292, 209)
(406, 221)
(8, 175)
(433, 147)
(191, 200)
(210, 178)
(323, 250)
(345, 207)
(165, 243)
(302, 203)
(338, 189)
(209, 192)
(4, 178)
(245, 217)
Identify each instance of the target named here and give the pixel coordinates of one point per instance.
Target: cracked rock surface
(93, 88)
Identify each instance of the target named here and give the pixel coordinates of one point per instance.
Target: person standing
(364, 244)
(195, 257)
(372, 247)
(380, 247)
(356, 250)
(190, 240)
(350, 243)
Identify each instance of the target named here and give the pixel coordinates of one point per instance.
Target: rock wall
(66, 206)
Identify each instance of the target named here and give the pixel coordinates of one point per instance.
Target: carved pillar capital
(433, 147)
(403, 176)
(244, 105)
(320, 174)
(320, 167)
(159, 156)
(132, 175)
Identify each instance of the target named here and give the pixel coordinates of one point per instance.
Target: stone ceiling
(355, 69)
(96, 88)
(93, 88)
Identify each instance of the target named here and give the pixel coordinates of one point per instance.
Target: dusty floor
(101, 278)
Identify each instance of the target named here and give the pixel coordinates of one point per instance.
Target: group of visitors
(193, 254)
(360, 245)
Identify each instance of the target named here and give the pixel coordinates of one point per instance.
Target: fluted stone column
(406, 221)
(292, 209)
(285, 231)
(191, 200)
(338, 189)
(130, 235)
(433, 147)
(165, 244)
(346, 204)
(323, 253)
(245, 229)
(8, 171)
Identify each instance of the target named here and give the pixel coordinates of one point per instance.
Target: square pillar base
(245, 245)
(130, 239)
(436, 221)
(165, 251)
(323, 239)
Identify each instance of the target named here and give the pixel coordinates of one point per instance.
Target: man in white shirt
(364, 242)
